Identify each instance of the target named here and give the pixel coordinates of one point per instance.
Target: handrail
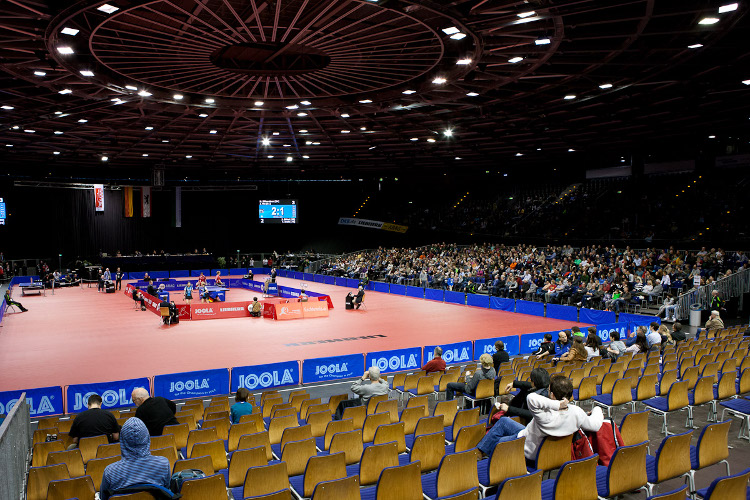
(15, 447)
(729, 287)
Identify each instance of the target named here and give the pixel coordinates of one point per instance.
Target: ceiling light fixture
(293, 106)
(131, 87)
(746, 82)
(305, 103)
(188, 156)
(212, 131)
(65, 91)
(519, 154)
(604, 86)
(203, 115)
(414, 139)
(458, 36)
(439, 80)
(149, 128)
(82, 120)
(275, 133)
(7, 107)
(457, 158)
(58, 132)
(316, 144)
(543, 40)
(451, 31)
(344, 115)
(287, 145)
(430, 139)
(712, 137)
(372, 147)
(144, 93)
(209, 100)
(526, 14)
(709, 20)
(29, 131)
(105, 158)
(55, 152)
(69, 31)
(305, 157)
(472, 94)
(448, 132)
(365, 101)
(728, 8)
(289, 158)
(65, 50)
(345, 131)
(570, 150)
(87, 72)
(178, 97)
(409, 92)
(107, 8)
(303, 131)
(514, 60)
(40, 73)
(569, 97)
(463, 62)
(165, 140)
(301, 114)
(266, 141)
(258, 103)
(695, 46)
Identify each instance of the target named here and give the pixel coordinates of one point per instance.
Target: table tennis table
(216, 293)
(36, 287)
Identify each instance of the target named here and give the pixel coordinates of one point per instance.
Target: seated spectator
(137, 465)
(500, 356)
(550, 417)
(519, 407)
(546, 348)
(94, 422)
(138, 297)
(12, 302)
(654, 337)
(640, 344)
(677, 334)
(155, 412)
(593, 342)
(486, 371)
(376, 387)
(577, 351)
(436, 364)
(714, 321)
(241, 406)
(668, 307)
(616, 347)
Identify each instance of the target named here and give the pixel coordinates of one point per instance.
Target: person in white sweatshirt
(551, 417)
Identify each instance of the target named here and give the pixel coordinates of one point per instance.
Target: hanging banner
(192, 384)
(114, 394)
(99, 197)
(260, 377)
(146, 201)
(127, 199)
(397, 360)
(372, 224)
(42, 402)
(178, 207)
(458, 352)
(482, 346)
(332, 368)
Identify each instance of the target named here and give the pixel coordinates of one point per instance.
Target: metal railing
(15, 446)
(729, 287)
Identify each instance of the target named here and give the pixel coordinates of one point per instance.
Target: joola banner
(192, 384)
(397, 360)
(254, 378)
(487, 346)
(332, 368)
(43, 401)
(460, 352)
(114, 394)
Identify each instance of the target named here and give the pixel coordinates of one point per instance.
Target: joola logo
(266, 379)
(402, 362)
(45, 406)
(188, 385)
(535, 342)
(110, 398)
(451, 355)
(205, 310)
(331, 369)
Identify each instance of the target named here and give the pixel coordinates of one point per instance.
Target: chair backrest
(295, 434)
(95, 468)
(485, 389)
(526, 486)
(221, 425)
(167, 452)
(40, 477)
(269, 403)
(164, 441)
(215, 450)
(79, 487)
(400, 483)
(318, 421)
(410, 417)
(713, 444)
(634, 428)
(71, 458)
(621, 392)
(446, 409)
(40, 435)
(350, 443)
(180, 433)
(690, 375)
(398, 380)
(634, 375)
(372, 422)
(727, 386)
(241, 461)
(255, 418)
(236, 431)
(391, 407)
(458, 472)
(429, 425)
(296, 399)
(187, 418)
(673, 456)
(587, 389)
(677, 397)
(277, 426)
(391, 433)
(704, 391)
(646, 387)
(553, 451)
(667, 379)
(411, 381)
(464, 418)
(346, 488)
(335, 426)
(204, 488)
(428, 450)
(469, 436)
(203, 463)
(627, 468)
(333, 401)
(507, 460)
(577, 479)
(47, 422)
(254, 440)
(297, 453)
(42, 450)
(598, 372)
(373, 402)
(608, 383)
(357, 414)
(200, 436)
(323, 468)
(728, 487)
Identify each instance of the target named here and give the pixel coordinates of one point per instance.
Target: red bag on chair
(581, 446)
(606, 441)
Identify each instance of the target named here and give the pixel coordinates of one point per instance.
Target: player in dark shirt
(155, 412)
(94, 422)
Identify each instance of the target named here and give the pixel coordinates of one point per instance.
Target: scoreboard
(2, 212)
(277, 211)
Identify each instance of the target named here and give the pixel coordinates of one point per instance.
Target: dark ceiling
(199, 84)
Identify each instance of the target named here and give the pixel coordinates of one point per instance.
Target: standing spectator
(118, 279)
(155, 412)
(94, 422)
(717, 303)
(436, 364)
(137, 465)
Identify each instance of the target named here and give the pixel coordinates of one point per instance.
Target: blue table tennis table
(36, 287)
(216, 293)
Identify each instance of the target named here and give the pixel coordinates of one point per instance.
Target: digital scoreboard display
(2, 212)
(277, 211)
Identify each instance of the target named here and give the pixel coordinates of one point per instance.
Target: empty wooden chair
(71, 458)
(552, 452)
(265, 480)
(372, 422)
(179, 432)
(373, 402)
(220, 424)
(634, 428)
(626, 471)
(332, 428)
(456, 473)
(95, 469)
(462, 419)
(291, 434)
(163, 441)
(203, 463)
(204, 488)
(346, 488)
(576, 479)
(241, 461)
(40, 451)
(297, 453)
(428, 450)
(277, 425)
(254, 440)
(507, 460)
(526, 486)
(255, 418)
(672, 460)
(391, 433)
(468, 438)
(723, 488)
(318, 422)
(348, 442)
(81, 488)
(40, 477)
(398, 483)
(677, 399)
(410, 417)
(391, 407)
(712, 448)
(317, 470)
(448, 410)
(199, 436)
(333, 401)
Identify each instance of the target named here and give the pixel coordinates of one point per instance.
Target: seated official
(256, 308)
(359, 297)
(303, 296)
(138, 297)
(12, 302)
(94, 422)
(349, 301)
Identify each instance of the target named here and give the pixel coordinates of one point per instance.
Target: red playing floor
(78, 335)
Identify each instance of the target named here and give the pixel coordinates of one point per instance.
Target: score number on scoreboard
(277, 211)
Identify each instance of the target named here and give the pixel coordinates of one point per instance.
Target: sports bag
(175, 483)
(581, 446)
(606, 441)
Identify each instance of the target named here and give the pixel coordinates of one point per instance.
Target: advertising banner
(502, 304)
(290, 310)
(220, 310)
(332, 368)
(477, 300)
(604, 331)
(595, 316)
(192, 384)
(530, 342)
(114, 394)
(527, 307)
(396, 360)
(99, 197)
(482, 346)
(43, 401)
(259, 377)
(459, 352)
(455, 297)
(558, 311)
(434, 294)
(315, 309)
(151, 303)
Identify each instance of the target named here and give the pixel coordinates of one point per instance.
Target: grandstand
(560, 181)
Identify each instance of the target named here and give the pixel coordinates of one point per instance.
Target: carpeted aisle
(79, 335)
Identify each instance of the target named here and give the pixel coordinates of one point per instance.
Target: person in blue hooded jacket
(137, 465)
